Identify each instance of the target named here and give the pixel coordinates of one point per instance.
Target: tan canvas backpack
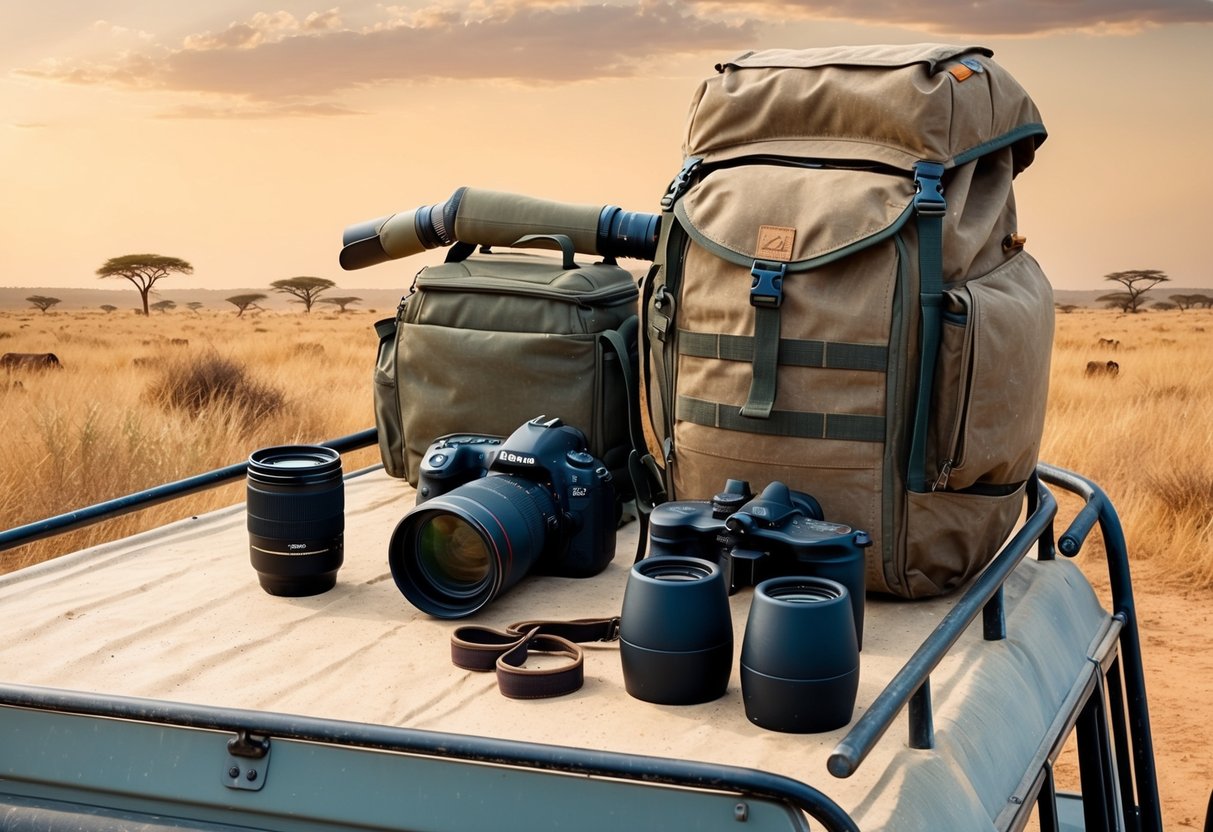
(841, 300)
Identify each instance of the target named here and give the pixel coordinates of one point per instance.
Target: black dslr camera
(780, 532)
(489, 511)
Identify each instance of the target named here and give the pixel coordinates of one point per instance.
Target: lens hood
(676, 631)
(800, 656)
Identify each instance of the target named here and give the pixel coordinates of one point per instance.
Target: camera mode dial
(580, 459)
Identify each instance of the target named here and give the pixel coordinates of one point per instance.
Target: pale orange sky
(244, 136)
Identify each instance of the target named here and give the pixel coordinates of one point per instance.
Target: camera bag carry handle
(483, 649)
(461, 251)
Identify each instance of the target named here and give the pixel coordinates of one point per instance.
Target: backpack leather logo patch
(775, 242)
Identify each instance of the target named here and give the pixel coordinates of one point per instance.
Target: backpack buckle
(767, 286)
(680, 184)
(928, 190)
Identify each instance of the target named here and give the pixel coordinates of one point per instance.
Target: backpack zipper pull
(944, 472)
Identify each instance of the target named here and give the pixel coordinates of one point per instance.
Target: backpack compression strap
(766, 296)
(930, 207)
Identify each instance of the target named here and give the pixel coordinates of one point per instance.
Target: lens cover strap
(482, 649)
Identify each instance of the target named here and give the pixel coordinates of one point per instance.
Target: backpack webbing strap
(794, 423)
(930, 207)
(647, 488)
(766, 296)
(793, 352)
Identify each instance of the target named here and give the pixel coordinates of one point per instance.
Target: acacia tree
(194, 306)
(303, 289)
(108, 308)
(243, 302)
(1136, 282)
(43, 302)
(1117, 300)
(342, 302)
(144, 270)
(164, 305)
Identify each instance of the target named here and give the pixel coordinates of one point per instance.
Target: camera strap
(484, 649)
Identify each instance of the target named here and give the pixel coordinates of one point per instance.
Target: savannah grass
(1144, 434)
(130, 410)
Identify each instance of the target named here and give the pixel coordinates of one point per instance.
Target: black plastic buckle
(680, 183)
(928, 190)
(767, 286)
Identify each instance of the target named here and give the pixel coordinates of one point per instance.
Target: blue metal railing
(110, 509)
(910, 688)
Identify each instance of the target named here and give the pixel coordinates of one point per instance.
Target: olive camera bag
(491, 339)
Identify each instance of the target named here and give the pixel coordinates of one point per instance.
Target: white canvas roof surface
(176, 613)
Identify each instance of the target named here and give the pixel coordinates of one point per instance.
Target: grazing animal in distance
(1110, 343)
(30, 361)
(179, 342)
(1103, 368)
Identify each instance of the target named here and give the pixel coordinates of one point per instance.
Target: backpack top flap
(890, 104)
(806, 218)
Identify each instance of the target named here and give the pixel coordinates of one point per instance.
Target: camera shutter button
(579, 459)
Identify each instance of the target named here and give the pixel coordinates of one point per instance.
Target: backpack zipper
(602, 297)
(964, 394)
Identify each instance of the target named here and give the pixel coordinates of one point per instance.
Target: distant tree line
(144, 271)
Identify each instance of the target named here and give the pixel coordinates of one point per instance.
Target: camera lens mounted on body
(490, 512)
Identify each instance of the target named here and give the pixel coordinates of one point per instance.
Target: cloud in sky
(278, 64)
(982, 17)
(276, 57)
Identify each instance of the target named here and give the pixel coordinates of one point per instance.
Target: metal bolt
(252, 775)
(233, 772)
(741, 813)
(1016, 799)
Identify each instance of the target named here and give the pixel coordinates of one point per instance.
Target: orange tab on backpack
(775, 242)
(960, 72)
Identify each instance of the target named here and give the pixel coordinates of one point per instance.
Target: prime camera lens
(296, 518)
(455, 553)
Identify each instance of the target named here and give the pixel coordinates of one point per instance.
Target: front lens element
(452, 555)
(805, 593)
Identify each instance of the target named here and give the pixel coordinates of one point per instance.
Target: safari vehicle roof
(177, 614)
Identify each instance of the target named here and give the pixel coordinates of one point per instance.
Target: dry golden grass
(119, 416)
(1143, 435)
